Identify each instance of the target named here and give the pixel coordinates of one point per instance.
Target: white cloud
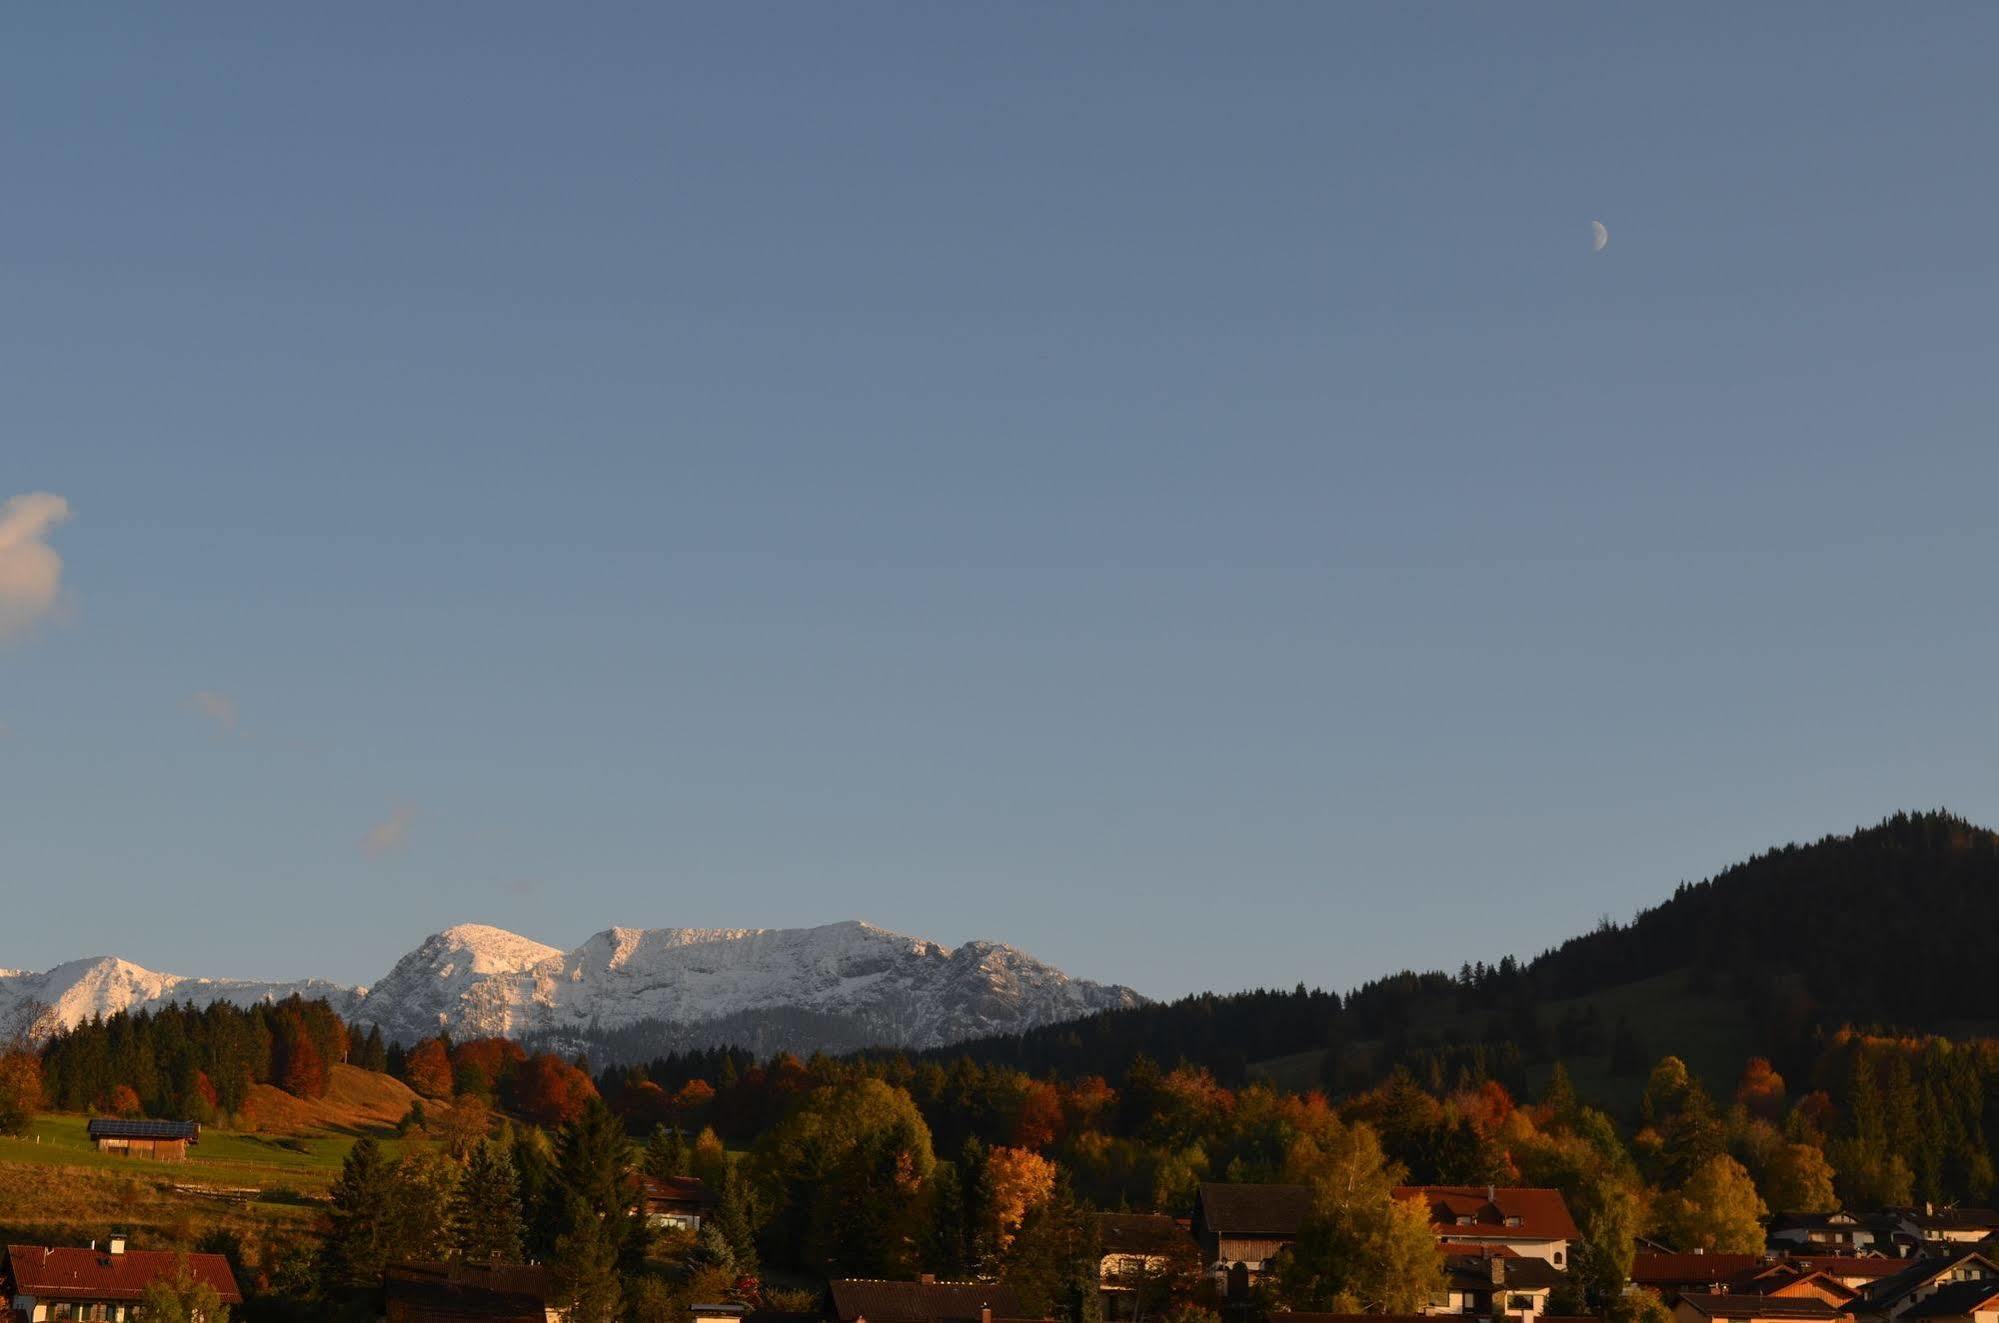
(219, 708)
(390, 833)
(30, 570)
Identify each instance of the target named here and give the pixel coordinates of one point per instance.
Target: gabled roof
(1889, 1291)
(60, 1272)
(1807, 1309)
(675, 1190)
(1520, 1272)
(1680, 1270)
(1140, 1233)
(1494, 1212)
(111, 1127)
(1789, 1280)
(921, 1302)
(1954, 1299)
(1253, 1210)
(1871, 1266)
(489, 1292)
(1954, 1219)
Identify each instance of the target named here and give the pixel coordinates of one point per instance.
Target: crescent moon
(1599, 237)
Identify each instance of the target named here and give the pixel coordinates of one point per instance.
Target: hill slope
(1885, 926)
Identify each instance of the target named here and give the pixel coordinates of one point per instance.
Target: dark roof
(1956, 1298)
(494, 1292)
(1411, 1318)
(921, 1302)
(1679, 1270)
(1724, 1305)
(676, 1190)
(1253, 1210)
(88, 1274)
(1921, 1271)
(1956, 1219)
(1140, 1233)
(1541, 1214)
(1522, 1272)
(110, 1127)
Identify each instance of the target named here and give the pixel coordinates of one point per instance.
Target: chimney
(1491, 1194)
(985, 1314)
(1496, 1267)
(117, 1243)
(926, 1279)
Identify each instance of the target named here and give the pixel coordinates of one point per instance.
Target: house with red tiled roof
(55, 1284)
(1671, 1274)
(1531, 1223)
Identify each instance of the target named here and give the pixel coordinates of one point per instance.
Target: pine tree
(486, 1222)
(665, 1155)
(356, 1248)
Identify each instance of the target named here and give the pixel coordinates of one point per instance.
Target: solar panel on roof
(105, 1127)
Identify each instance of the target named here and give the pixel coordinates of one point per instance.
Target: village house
(923, 1300)
(1242, 1228)
(1947, 1227)
(1789, 1281)
(1531, 1223)
(680, 1203)
(1919, 1279)
(162, 1141)
(1960, 1302)
(457, 1291)
(1492, 1283)
(1673, 1274)
(51, 1284)
(1737, 1307)
(1141, 1251)
(1858, 1271)
(1834, 1233)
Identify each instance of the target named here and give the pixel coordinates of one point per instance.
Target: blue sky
(1170, 487)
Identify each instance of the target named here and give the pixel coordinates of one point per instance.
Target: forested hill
(1885, 927)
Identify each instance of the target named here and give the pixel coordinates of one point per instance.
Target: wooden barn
(162, 1141)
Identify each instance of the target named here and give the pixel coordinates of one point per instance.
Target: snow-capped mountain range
(632, 992)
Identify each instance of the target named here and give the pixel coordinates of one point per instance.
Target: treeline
(1792, 934)
(193, 1064)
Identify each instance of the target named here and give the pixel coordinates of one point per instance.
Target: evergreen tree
(665, 1154)
(357, 1246)
(486, 1221)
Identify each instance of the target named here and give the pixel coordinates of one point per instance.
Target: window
(1519, 1304)
(1558, 1258)
(1513, 1221)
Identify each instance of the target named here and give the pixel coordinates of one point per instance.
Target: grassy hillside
(267, 1177)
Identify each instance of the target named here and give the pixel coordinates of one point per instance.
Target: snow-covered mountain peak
(636, 991)
(490, 950)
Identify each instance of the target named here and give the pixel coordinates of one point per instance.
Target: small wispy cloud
(391, 833)
(30, 569)
(218, 707)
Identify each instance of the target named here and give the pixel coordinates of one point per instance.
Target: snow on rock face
(880, 986)
(34, 1005)
(800, 989)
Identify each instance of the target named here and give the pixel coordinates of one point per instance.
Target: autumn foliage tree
(427, 1069)
(20, 1091)
(550, 1092)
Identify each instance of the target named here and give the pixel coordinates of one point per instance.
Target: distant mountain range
(628, 993)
